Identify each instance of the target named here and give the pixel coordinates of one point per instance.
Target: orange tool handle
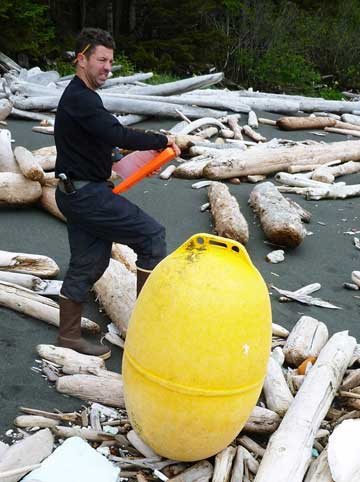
(164, 156)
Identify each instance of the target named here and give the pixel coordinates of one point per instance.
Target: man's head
(94, 56)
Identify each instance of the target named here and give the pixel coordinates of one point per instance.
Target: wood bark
(280, 222)
(306, 339)
(229, 222)
(40, 307)
(95, 389)
(116, 292)
(262, 420)
(29, 451)
(35, 264)
(28, 165)
(297, 123)
(65, 356)
(288, 453)
(267, 161)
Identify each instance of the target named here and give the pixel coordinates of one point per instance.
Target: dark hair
(93, 37)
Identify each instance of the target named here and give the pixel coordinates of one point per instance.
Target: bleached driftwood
(90, 387)
(197, 124)
(35, 264)
(31, 282)
(288, 453)
(191, 169)
(15, 189)
(295, 123)
(328, 173)
(277, 394)
(128, 79)
(167, 172)
(29, 166)
(304, 214)
(46, 157)
(351, 119)
(30, 421)
(65, 356)
(5, 108)
(347, 125)
(252, 134)
(232, 121)
(305, 299)
(29, 451)
(268, 122)
(345, 132)
(229, 222)
(223, 464)
(351, 380)
(251, 445)
(238, 466)
(200, 472)
(278, 330)
(36, 116)
(262, 420)
(253, 120)
(319, 470)
(266, 161)
(280, 221)
(125, 255)
(50, 180)
(7, 159)
(333, 191)
(48, 202)
(84, 433)
(40, 307)
(140, 445)
(306, 339)
(116, 291)
(297, 180)
(49, 130)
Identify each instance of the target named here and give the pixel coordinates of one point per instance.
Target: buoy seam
(177, 387)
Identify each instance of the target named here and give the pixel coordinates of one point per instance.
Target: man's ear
(81, 60)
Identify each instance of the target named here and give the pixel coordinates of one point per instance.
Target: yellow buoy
(197, 348)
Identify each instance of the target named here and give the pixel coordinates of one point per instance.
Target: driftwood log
(262, 421)
(288, 453)
(280, 222)
(90, 387)
(15, 189)
(116, 292)
(65, 356)
(28, 165)
(46, 157)
(267, 161)
(228, 219)
(40, 307)
(277, 394)
(35, 264)
(30, 421)
(296, 123)
(5, 108)
(328, 173)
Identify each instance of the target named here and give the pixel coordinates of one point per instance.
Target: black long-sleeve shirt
(86, 133)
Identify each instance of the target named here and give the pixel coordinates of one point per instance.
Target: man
(85, 136)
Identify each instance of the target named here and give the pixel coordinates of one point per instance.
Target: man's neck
(80, 73)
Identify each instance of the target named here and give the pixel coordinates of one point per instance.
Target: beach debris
(305, 299)
(276, 256)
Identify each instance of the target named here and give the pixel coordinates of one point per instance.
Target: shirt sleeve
(89, 111)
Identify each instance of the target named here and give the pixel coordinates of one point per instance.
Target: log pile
(311, 387)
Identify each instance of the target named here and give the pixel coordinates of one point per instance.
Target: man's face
(96, 68)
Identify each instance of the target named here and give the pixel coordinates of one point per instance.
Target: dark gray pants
(95, 219)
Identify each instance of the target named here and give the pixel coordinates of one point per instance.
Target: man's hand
(172, 143)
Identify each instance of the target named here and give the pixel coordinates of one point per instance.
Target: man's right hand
(172, 143)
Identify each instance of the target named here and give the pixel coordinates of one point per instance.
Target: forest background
(303, 47)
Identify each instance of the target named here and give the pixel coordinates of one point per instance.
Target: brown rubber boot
(141, 276)
(70, 331)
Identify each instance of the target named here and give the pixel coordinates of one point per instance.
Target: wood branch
(238, 467)
(262, 421)
(347, 125)
(232, 121)
(49, 130)
(268, 122)
(266, 161)
(200, 472)
(351, 380)
(306, 339)
(29, 451)
(199, 123)
(31, 282)
(31, 421)
(40, 307)
(95, 389)
(297, 180)
(63, 417)
(247, 130)
(345, 132)
(288, 453)
(280, 221)
(229, 222)
(223, 463)
(116, 292)
(48, 202)
(277, 394)
(185, 141)
(66, 356)
(128, 79)
(29, 166)
(167, 172)
(297, 123)
(35, 264)
(334, 191)
(84, 433)
(251, 445)
(327, 174)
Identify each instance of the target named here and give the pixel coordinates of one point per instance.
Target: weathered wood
(262, 420)
(351, 119)
(223, 464)
(277, 394)
(29, 166)
(35, 264)
(199, 123)
(297, 123)
(65, 356)
(229, 222)
(5, 109)
(266, 161)
(253, 120)
(327, 174)
(31, 421)
(232, 121)
(298, 180)
(255, 136)
(84, 433)
(288, 453)
(319, 470)
(200, 472)
(251, 445)
(48, 202)
(238, 467)
(278, 330)
(140, 445)
(191, 169)
(37, 116)
(116, 292)
(280, 222)
(46, 157)
(333, 191)
(306, 339)
(63, 417)
(351, 380)
(16, 190)
(128, 79)
(29, 451)
(40, 307)
(347, 125)
(7, 159)
(31, 282)
(345, 132)
(93, 388)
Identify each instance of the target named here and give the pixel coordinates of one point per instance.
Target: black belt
(77, 184)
